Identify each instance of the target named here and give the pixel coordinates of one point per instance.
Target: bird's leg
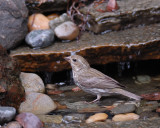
(98, 98)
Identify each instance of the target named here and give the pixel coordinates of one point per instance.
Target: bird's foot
(94, 101)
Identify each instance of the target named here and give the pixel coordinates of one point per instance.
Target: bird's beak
(68, 59)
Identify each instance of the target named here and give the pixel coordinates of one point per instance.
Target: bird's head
(77, 62)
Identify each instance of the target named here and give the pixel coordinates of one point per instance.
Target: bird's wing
(93, 78)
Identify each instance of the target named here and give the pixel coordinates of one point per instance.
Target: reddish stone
(151, 96)
(9, 81)
(112, 5)
(76, 89)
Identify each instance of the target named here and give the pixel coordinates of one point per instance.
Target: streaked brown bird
(93, 81)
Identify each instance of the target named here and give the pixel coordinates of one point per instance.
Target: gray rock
(74, 118)
(13, 22)
(59, 20)
(80, 105)
(40, 38)
(148, 106)
(7, 114)
(123, 108)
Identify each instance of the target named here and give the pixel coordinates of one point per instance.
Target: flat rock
(57, 119)
(123, 108)
(130, 13)
(141, 43)
(148, 123)
(35, 6)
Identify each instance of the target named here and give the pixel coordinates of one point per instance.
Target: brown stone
(142, 43)
(37, 22)
(131, 13)
(14, 92)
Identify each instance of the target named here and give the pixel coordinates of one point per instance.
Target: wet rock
(141, 43)
(148, 114)
(80, 105)
(129, 14)
(52, 16)
(38, 22)
(148, 123)
(148, 106)
(142, 79)
(32, 82)
(40, 38)
(13, 124)
(7, 114)
(37, 103)
(56, 119)
(13, 93)
(125, 117)
(97, 117)
(74, 118)
(29, 120)
(123, 108)
(13, 23)
(46, 6)
(59, 20)
(67, 31)
(93, 109)
(151, 96)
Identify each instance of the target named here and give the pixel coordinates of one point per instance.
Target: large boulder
(13, 93)
(13, 22)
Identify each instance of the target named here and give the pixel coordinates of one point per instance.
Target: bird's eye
(74, 60)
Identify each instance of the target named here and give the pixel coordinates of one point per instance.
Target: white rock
(32, 82)
(67, 31)
(37, 103)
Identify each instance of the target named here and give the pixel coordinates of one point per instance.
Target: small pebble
(97, 117)
(142, 79)
(38, 22)
(67, 31)
(74, 118)
(125, 117)
(40, 38)
(6, 114)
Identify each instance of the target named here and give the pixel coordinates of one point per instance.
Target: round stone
(40, 38)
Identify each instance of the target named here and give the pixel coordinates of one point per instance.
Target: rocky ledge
(141, 43)
(42, 6)
(131, 13)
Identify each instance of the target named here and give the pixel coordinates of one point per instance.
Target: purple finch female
(93, 81)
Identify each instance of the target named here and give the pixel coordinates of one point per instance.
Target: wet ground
(73, 111)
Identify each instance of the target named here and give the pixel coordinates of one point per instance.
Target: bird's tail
(126, 93)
